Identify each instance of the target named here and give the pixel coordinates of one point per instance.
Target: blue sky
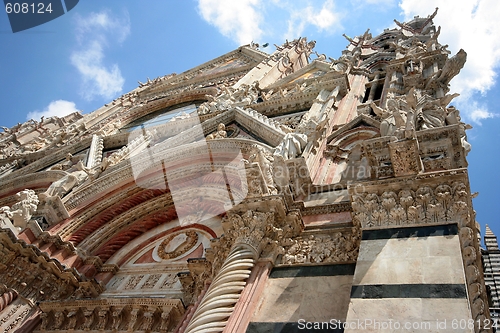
(100, 49)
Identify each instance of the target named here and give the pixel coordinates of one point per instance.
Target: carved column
(246, 233)
(7, 296)
(248, 236)
(224, 292)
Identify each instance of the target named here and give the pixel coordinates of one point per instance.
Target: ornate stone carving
(336, 247)
(193, 282)
(405, 157)
(291, 146)
(132, 148)
(248, 235)
(133, 281)
(145, 314)
(438, 204)
(259, 173)
(191, 238)
(151, 281)
(219, 134)
(22, 211)
(475, 284)
(451, 68)
(75, 176)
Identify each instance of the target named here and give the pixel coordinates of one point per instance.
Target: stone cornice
(125, 173)
(108, 302)
(68, 274)
(29, 180)
(326, 209)
(260, 125)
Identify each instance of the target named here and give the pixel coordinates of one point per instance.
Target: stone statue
(76, 175)
(21, 212)
(291, 146)
(450, 69)
(452, 118)
(393, 121)
(219, 134)
(265, 161)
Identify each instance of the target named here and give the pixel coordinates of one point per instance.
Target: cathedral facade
(257, 192)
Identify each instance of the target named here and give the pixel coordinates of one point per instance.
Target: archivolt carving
(100, 236)
(193, 282)
(442, 204)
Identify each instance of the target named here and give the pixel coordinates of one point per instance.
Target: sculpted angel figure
(291, 146)
(219, 134)
(392, 119)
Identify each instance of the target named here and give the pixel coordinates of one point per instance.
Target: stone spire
(490, 240)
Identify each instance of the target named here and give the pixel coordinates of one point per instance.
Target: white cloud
(249, 20)
(95, 23)
(93, 34)
(479, 113)
(59, 108)
(237, 19)
(97, 79)
(471, 25)
(324, 18)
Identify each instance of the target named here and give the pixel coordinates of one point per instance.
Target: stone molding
(124, 172)
(264, 127)
(100, 236)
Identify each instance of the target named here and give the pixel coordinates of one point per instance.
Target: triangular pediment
(358, 122)
(247, 124)
(314, 70)
(235, 63)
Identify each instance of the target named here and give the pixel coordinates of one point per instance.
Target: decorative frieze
(322, 248)
(438, 202)
(112, 314)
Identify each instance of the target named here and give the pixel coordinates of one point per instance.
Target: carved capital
(437, 201)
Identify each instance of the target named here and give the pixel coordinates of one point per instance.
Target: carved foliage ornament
(111, 315)
(443, 204)
(263, 232)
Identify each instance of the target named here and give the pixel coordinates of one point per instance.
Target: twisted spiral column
(218, 304)
(7, 297)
